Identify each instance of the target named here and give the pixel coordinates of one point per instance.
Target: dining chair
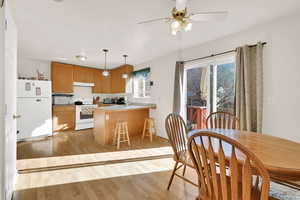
(177, 134)
(222, 120)
(226, 169)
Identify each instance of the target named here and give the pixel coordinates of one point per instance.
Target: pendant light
(105, 72)
(125, 75)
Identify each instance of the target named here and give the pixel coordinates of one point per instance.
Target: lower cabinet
(63, 118)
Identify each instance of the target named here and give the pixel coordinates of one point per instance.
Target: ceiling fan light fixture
(174, 32)
(188, 26)
(175, 25)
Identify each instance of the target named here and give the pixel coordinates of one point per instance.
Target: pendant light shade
(105, 72)
(125, 75)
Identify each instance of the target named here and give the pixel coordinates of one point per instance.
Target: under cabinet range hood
(80, 84)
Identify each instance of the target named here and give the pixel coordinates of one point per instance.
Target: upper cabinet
(83, 74)
(118, 83)
(62, 77)
(102, 83)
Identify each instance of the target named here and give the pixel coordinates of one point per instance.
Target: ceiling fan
(182, 20)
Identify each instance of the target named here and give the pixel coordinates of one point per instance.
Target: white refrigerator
(34, 104)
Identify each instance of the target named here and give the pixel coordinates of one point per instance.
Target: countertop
(63, 105)
(126, 107)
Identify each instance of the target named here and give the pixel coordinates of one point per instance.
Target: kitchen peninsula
(105, 119)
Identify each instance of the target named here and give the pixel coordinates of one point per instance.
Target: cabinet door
(117, 81)
(106, 84)
(102, 83)
(63, 118)
(62, 77)
(98, 81)
(83, 74)
(126, 69)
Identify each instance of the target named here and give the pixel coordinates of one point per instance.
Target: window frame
(213, 61)
(139, 72)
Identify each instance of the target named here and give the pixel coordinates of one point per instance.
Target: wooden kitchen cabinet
(63, 117)
(118, 84)
(62, 77)
(102, 83)
(83, 74)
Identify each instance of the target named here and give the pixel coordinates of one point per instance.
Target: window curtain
(178, 87)
(249, 87)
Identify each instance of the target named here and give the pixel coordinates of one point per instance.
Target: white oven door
(84, 117)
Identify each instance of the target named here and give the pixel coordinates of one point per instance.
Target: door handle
(16, 116)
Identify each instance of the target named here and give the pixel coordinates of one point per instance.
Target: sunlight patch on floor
(89, 158)
(65, 176)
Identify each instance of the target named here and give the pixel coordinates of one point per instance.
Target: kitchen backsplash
(82, 93)
(102, 96)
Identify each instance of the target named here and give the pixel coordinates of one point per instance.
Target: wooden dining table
(281, 157)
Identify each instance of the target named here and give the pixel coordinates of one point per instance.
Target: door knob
(16, 116)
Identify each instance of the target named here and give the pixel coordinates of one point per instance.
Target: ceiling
(50, 30)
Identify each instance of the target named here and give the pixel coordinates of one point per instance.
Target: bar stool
(149, 128)
(121, 134)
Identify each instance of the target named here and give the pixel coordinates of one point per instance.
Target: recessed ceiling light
(81, 57)
(58, 1)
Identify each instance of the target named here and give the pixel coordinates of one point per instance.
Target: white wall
(2, 128)
(281, 74)
(28, 67)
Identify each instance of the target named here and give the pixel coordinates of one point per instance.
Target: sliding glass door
(209, 87)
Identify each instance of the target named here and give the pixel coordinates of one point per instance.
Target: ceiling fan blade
(181, 4)
(208, 16)
(155, 20)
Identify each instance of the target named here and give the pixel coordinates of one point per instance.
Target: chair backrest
(226, 169)
(222, 120)
(177, 133)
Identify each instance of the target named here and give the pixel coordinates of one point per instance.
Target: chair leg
(115, 135)
(151, 135)
(172, 176)
(118, 140)
(127, 135)
(144, 130)
(184, 168)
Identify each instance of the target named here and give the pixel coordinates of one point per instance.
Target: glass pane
(225, 87)
(141, 84)
(197, 96)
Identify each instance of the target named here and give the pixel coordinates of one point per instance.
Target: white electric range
(84, 118)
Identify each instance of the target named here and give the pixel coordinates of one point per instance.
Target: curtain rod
(218, 54)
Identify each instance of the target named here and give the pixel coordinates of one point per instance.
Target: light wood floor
(148, 186)
(139, 172)
(75, 143)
